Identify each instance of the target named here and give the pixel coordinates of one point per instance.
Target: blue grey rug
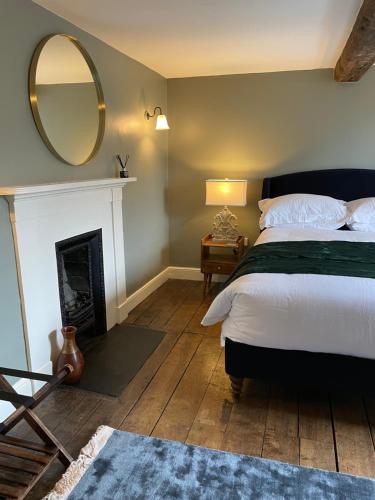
(120, 465)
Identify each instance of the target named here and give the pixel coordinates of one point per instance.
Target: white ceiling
(180, 38)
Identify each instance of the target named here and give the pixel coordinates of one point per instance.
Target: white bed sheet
(318, 313)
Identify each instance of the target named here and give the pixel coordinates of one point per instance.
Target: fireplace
(81, 285)
(44, 214)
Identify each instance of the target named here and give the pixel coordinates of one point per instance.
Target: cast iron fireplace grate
(81, 285)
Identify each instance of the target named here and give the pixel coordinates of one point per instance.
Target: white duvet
(319, 313)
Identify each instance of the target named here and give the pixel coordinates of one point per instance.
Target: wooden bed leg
(236, 384)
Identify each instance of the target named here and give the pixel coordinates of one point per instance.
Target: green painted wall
(252, 126)
(129, 88)
(12, 349)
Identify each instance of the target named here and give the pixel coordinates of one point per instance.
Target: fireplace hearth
(81, 285)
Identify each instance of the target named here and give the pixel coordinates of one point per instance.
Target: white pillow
(361, 214)
(358, 226)
(303, 210)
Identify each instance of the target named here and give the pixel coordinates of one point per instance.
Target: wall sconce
(161, 120)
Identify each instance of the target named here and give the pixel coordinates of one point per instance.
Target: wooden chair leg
(209, 280)
(236, 384)
(205, 277)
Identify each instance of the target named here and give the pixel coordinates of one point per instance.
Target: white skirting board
(171, 272)
(191, 273)
(22, 386)
(26, 387)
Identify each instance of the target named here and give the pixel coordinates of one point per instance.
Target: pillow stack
(302, 210)
(321, 212)
(361, 214)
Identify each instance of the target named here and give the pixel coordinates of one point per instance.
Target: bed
(302, 326)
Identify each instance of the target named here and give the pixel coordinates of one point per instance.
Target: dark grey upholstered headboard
(341, 183)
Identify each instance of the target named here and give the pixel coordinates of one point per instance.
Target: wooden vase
(70, 355)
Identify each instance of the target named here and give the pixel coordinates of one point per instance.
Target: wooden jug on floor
(70, 355)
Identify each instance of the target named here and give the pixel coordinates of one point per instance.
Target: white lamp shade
(162, 123)
(226, 192)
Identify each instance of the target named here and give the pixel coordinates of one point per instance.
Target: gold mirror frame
(34, 100)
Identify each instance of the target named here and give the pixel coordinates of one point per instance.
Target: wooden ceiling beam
(359, 52)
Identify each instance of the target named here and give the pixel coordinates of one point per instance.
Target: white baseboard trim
(171, 272)
(191, 273)
(47, 369)
(141, 294)
(27, 387)
(23, 386)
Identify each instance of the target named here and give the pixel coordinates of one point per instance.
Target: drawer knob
(218, 268)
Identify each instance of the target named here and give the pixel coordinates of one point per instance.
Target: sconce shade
(161, 123)
(226, 192)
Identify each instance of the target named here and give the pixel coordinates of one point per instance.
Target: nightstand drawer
(222, 261)
(218, 267)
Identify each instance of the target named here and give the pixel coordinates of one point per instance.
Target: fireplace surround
(47, 215)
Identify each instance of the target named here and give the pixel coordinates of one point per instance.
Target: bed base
(245, 361)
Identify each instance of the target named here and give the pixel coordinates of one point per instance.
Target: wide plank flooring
(183, 393)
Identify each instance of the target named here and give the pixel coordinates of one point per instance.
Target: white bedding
(319, 313)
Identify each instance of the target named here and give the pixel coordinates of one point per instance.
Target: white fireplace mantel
(62, 187)
(42, 215)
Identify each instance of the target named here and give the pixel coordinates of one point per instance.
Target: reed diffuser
(124, 172)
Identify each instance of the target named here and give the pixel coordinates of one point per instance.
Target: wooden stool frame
(22, 462)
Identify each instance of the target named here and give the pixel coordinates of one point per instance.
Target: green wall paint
(129, 88)
(12, 351)
(252, 126)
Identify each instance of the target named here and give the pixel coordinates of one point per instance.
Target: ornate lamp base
(225, 227)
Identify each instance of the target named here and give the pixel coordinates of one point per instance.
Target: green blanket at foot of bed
(336, 258)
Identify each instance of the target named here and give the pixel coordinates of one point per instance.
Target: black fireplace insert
(81, 285)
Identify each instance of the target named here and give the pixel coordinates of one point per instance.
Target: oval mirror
(66, 99)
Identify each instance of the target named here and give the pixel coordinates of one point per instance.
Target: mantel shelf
(63, 187)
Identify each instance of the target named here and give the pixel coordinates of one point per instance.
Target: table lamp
(225, 192)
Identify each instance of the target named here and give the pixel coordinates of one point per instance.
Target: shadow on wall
(55, 347)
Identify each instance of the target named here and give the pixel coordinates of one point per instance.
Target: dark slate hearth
(115, 358)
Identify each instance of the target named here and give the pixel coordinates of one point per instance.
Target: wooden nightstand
(219, 263)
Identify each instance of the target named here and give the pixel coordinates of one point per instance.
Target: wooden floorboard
(135, 313)
(317, 446)
(170, 305)
(183, 393)
(183, 315)
(247, 422)
(194, 325)
(211, 421)
(281, 441)
(369, 405)
(178, 416)
(147, 411)
(355, 449)
(161, 309)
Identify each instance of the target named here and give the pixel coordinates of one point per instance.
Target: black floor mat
(115, 358)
